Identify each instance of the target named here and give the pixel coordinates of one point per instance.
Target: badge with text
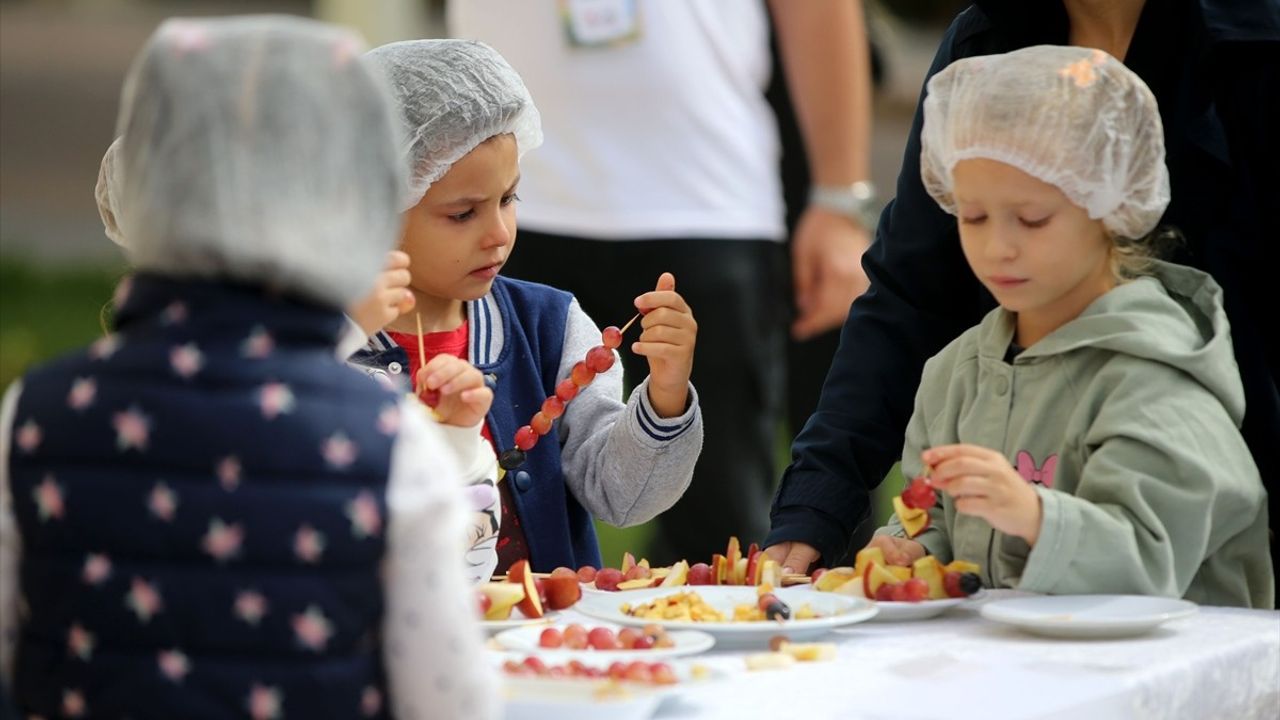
(600, 23)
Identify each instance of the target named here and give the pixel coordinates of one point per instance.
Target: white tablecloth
(1219, 663)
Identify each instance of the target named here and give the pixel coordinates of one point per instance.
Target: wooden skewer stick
(629, 322)
(422, 353)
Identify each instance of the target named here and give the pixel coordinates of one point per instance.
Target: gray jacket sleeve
(623, 462)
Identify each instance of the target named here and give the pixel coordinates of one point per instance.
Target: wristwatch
(856, 202)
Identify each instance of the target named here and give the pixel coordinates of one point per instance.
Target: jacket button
(523, 481)
(1002, 385)
(394, 368)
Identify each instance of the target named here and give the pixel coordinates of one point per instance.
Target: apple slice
(732, 556)
(913, 521)
(678, 576)
(740, 572)
(770, 572)
(855, 587)
(718, 569)
(531, 605)
(902, 574)
(962, 567)
(502, 597)
(866, 556)
(874, 577)
(628, 562)
(636, 584)
(562, 591)
(752, 576)
(930, 570)
(833, 578)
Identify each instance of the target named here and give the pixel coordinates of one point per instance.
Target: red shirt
(512, 545)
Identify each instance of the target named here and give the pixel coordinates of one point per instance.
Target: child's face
(1038, 253)
(460, 234)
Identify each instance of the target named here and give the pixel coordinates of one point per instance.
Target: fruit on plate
(930, 571)
(563, 591)
(834, 578)
(959, 585)
(637, 671)
(608, 579)
(700, 574)
(807, 652)
(586, 574)
(926, 579)
(531, 605)
(502, 597)
(679, 575)
(874, 576)
(914, 520)
(769, 661)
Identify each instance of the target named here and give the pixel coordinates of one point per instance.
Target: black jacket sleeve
(922, 296)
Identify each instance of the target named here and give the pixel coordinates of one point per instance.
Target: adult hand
(464, 398)
(794, 557)
(667, 341)
(898, 551)
(826, 266)
(981, 482)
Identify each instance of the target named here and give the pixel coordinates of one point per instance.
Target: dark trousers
(737, 290)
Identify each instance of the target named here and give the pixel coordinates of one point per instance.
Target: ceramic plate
(536, 698)
(836, 611)
(1088, 616)
(906, 611)
(525, 639)
(518, 621)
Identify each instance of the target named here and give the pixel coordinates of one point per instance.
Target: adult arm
(826, 59)
(922, 296)
(10, 543)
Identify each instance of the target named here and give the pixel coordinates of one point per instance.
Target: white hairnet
(1072, 117)
(259, 148)
(106, 192)
(454, 95)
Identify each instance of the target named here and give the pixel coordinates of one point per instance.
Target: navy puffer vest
(201, 501)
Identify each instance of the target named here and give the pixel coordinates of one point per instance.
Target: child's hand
(464, 398)
(667, 341)
(389, 299)
(983, 483)
(898, 551)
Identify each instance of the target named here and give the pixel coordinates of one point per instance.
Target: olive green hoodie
(1126, 421)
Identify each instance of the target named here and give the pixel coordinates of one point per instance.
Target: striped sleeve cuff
(658, 429)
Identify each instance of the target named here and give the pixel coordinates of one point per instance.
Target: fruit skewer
(599, 359)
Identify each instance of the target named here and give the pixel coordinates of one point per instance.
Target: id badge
(600, 23)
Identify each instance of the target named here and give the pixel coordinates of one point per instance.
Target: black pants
(737, 290)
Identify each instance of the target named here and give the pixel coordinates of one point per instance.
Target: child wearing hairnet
(469, 119)
(205, 513)
(1084, 436)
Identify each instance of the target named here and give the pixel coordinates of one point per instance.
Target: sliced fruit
(636, 584)
(638, 571)
(521, 574)
(502, 597)
(853, 588)
(770, 573)
(916, 589)
(902, 574)
(875, 576)
(865, 557)
(962, 566)
(913, 521)
(740, 572)
(732, 556)
(961, 585)
(562, 591)
(678, 576)
(628, 562)
(718, 573)
(769, 661)
(809, 652)
(752, 576)
(833, 578)
(930, 570)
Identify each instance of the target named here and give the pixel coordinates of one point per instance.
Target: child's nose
(500, 232)
(1002, 243)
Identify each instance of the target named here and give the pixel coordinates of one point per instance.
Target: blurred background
(61, 66)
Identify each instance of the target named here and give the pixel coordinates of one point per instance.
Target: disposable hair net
(106, 192)
(454, 95)
(262, 149)
(1072, 117)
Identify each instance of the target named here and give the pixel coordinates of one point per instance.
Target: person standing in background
(661, 153)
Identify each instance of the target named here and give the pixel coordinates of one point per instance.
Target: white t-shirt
(665, 135)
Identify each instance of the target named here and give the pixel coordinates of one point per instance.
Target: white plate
(518, 621)
(1088, 616)
(836, 611)
(582, 699)
(905, 611)
(525, 639)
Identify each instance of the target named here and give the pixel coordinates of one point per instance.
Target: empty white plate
(1088, 616)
